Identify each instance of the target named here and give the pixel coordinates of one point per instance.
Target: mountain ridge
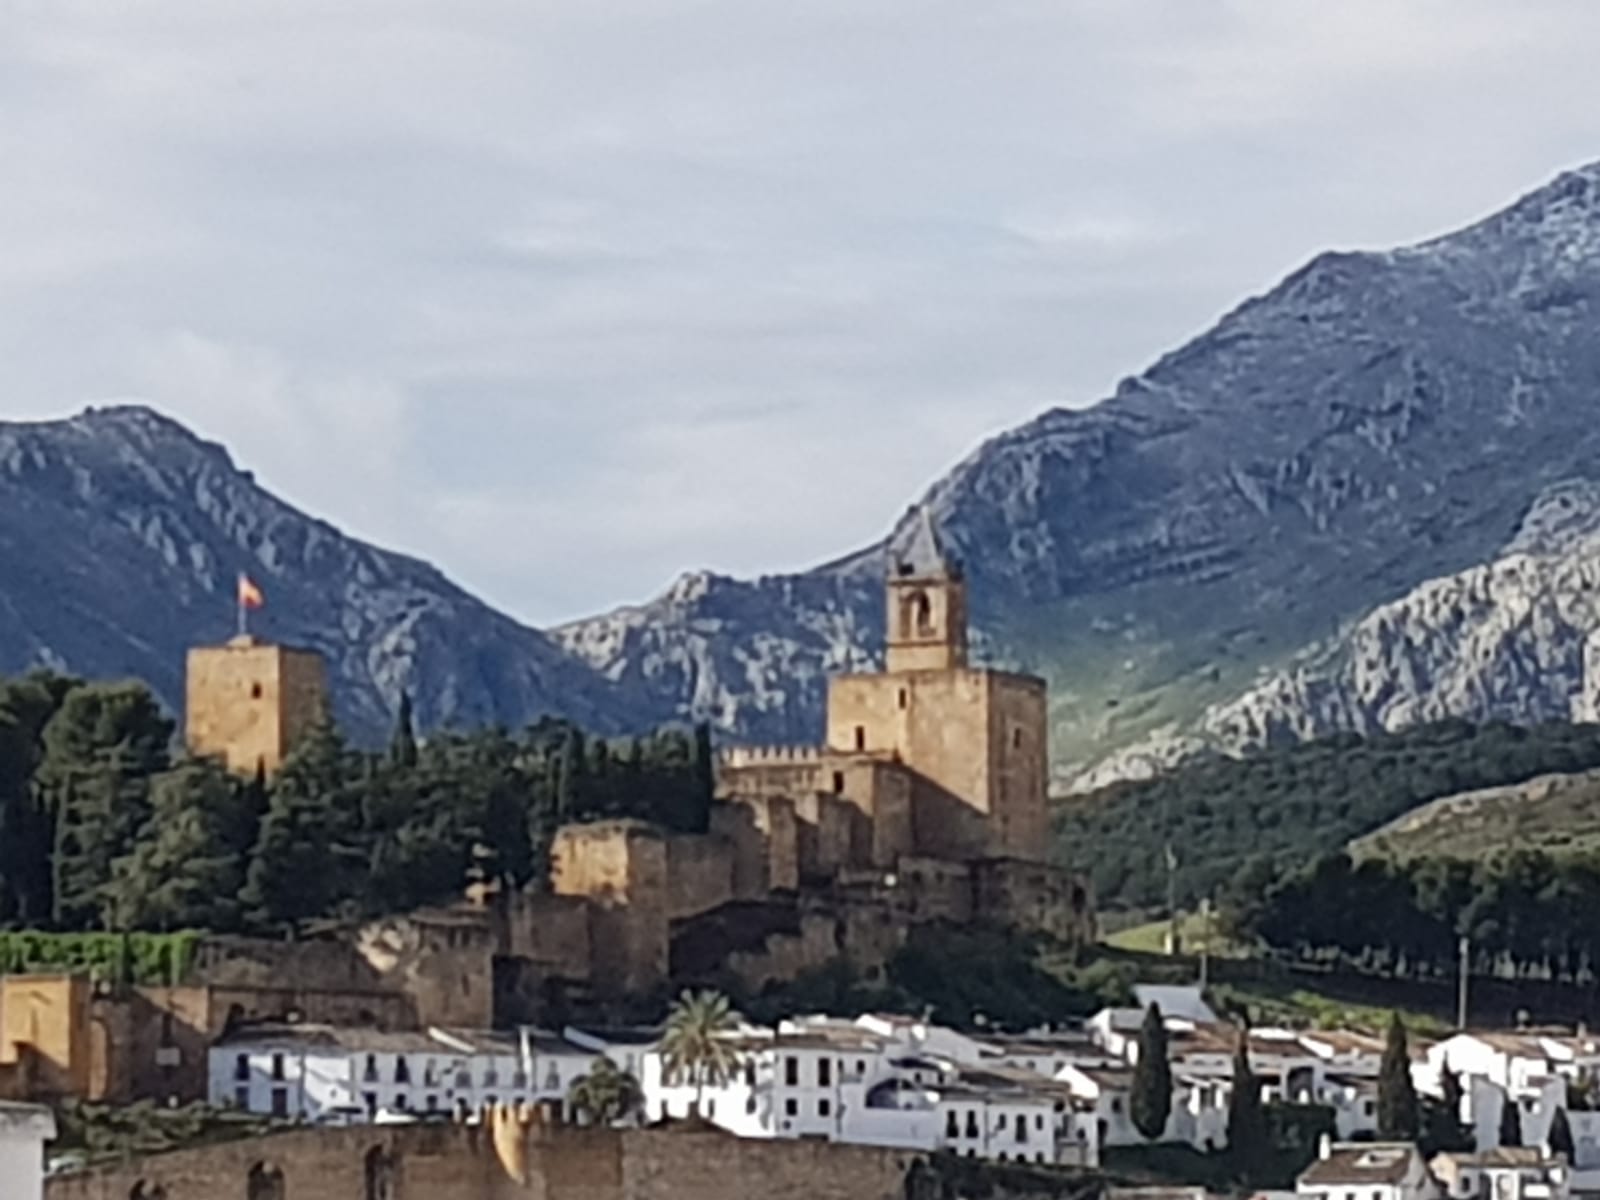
(134, 529)
(1375, 420)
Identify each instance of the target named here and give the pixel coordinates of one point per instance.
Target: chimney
(1324, 1147)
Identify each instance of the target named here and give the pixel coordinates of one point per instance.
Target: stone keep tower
(249, 702)
(973, 740)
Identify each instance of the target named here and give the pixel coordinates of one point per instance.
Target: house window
(402, 1103)
(791, 1071)
(791, 1108)
(861, 737)
(402, 1070)
(1038, 1122)
(861, 1066)
(369, 1071)
(241, 1066)
(280, 1102)
(951, 1128)
(491, 1077)
(1116, 1107)
(370, 1099)
(972, 1123)
(750, 1072)
(241, 1097)
(433, 1103)
(277, 1066)
(1021, 1128)
(824, 1108)
(824, 1072)
(905, 698)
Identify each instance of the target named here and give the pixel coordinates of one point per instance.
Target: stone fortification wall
(465, 1163)
(621, 868)
(1035, 896)
(768, 771)
(700, 873)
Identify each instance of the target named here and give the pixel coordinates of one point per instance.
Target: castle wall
(621, 867)
(767, 771)
(455, 1162)
(700, 873)
(1019, 767)
(764, 833)
(829, 829)
(1035, 896)
(47, 1018)
(249, 702)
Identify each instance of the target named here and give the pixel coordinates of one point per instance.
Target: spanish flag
(250, 596)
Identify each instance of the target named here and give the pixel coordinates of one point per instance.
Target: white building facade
(24, 1130)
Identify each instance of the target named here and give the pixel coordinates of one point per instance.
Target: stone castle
(926, 802)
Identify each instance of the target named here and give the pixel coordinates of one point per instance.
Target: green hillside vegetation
(103, 830)
(1557, 814)
(1526, 914)
(1239, 822)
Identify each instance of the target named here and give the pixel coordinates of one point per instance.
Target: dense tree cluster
(103, 828)
(1521, 909)
(1277, 808)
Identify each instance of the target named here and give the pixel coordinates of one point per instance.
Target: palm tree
(695, 1046)
(605, 1095)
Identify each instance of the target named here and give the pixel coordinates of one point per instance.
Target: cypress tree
(1450, 1093)
(1511, 1122)
(1398, 1118)
(1247, 1123)
(1151, 1101)
(705, 778)
(403, 746)
(1560, 1139)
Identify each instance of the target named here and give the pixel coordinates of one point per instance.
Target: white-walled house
(1515, 1060)
(860, 1083)
(1507, 1173)
(1368, 1171)
(1105, 1093)
(24, 1130)
(334, 1074)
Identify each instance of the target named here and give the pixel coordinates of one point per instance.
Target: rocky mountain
(122, 535)
(1235, 547)
(1377, 420)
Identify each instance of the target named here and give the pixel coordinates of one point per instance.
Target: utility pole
(1465, 951)
(1205, 942)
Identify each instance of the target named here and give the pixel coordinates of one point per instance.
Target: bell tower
(927, 617)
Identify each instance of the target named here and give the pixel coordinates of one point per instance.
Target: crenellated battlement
(769, 756)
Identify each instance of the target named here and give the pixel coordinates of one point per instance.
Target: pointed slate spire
(919, 554)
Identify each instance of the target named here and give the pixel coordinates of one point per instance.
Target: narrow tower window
(861, 737)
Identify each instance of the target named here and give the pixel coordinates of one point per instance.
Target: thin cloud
(572, 298)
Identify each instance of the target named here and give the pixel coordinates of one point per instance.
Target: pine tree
(100, 749)
(403, 746)
(1511, 1122)
(185, 868)
(1560, 1139)
(1398, 1119)
(1247, 1123)
(1151, 1101)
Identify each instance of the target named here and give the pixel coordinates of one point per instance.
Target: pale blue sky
(571, 297)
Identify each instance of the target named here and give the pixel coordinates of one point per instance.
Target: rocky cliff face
(1232, 548)
(1376, 420)
(122, 535)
